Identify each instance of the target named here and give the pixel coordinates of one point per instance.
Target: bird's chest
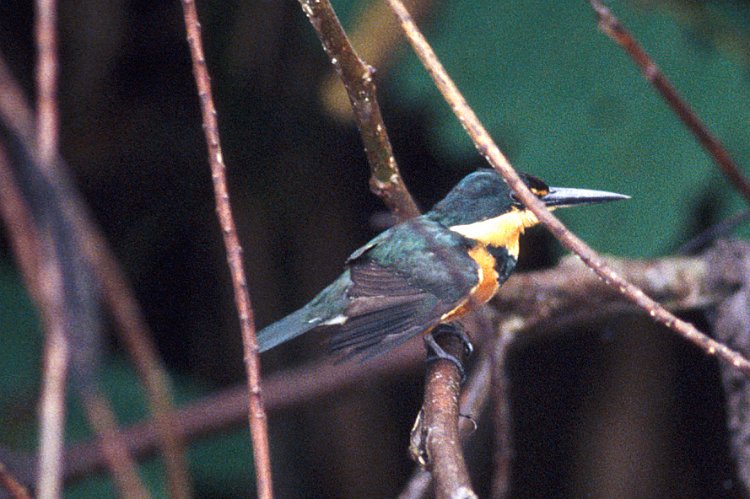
(487, 286)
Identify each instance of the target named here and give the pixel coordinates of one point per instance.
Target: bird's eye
(537, 186)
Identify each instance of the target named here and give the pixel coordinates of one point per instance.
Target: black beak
(562, 197)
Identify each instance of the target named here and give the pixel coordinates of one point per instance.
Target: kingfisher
(427, 271)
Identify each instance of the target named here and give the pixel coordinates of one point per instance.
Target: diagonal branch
(612, 27)
(256, 412)
(12, 485)
(487, 148)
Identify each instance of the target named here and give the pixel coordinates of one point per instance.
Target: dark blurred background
(627, 411)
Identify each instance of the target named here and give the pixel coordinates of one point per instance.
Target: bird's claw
(435, 352)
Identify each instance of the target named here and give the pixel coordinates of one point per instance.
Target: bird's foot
(435, 352)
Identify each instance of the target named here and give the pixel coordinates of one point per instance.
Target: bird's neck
(503, 231)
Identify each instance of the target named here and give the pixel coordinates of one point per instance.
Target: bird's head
(483, 207)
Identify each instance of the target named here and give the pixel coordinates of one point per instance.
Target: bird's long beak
(562, 197)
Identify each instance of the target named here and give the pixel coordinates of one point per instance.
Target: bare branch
(435, 441)
(611, 26)
(487, 148)
(356, 75)
(475, 394)
(256, 413)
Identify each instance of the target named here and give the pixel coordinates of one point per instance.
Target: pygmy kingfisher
(426, 271)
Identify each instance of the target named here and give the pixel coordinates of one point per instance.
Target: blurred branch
(47, 136)
(501, 415)
(49, 279)
(488, 149)
(12, 485)
(731, 324)
(256, 413)
(114, 450)
(356, 75)
(612, 27)
(679, 282)
(109, 278)
(37, 194)
(282, 390)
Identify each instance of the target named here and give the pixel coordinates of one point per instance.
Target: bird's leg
(435, 352)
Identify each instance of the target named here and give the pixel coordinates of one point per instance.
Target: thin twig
(118, 296)
(136, 337)
(28, 250)
(487, 148)
(612, 27)
(256, 413)
(55, 371)
(356, 75)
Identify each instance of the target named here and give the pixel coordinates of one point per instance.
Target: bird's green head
(483, 207)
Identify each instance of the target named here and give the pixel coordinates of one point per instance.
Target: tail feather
(289, 327)
(328, 304)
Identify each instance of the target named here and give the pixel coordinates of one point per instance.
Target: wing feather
(385, 311)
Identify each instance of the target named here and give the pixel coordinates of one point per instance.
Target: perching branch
(435, 442)
(356, 75)
(611, 26)
(256, 413)
(475, 395)
(487, 148)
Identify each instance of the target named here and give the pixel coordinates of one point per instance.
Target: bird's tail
(289, 327)
(328, 304)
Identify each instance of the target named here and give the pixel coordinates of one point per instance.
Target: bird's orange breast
(485, 288)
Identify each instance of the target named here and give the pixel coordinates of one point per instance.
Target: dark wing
(405, 281)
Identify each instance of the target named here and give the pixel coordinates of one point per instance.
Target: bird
(428, 271)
